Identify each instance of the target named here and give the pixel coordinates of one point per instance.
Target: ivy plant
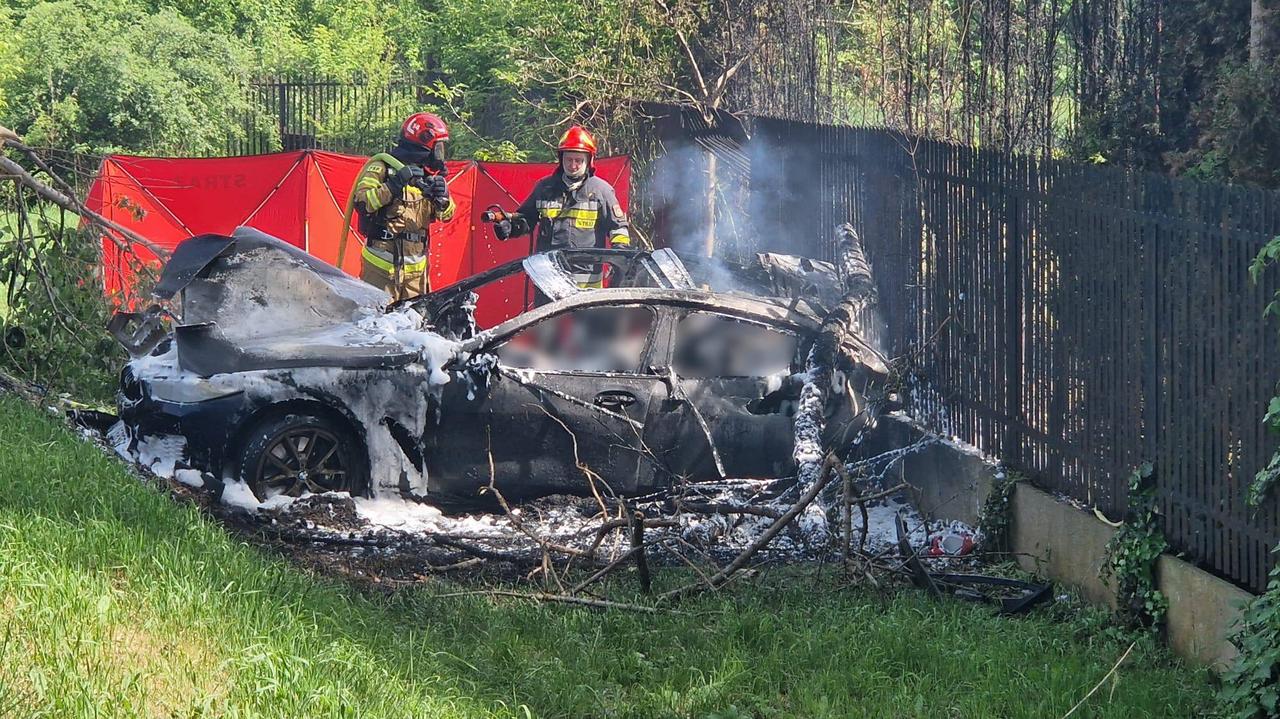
(996, 515)
(1267, 476)
(1132, 554)
(1251, 688)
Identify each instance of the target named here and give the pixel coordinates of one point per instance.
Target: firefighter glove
(509, 226)
(435, 189)
(405, 176)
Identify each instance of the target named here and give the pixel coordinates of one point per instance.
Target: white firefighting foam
(373, 394)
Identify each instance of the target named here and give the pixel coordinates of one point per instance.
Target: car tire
(292, 453)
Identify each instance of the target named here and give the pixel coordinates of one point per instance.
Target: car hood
(249, 301)
(253, 285)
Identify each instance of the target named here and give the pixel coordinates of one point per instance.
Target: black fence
(1071, 321)
(315, 112)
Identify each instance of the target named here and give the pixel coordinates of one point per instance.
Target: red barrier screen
(301, 196)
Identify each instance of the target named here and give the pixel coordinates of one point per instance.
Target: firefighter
(572, 207)
(397, 196)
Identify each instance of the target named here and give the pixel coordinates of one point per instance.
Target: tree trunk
(713, 187)
(1264, 33)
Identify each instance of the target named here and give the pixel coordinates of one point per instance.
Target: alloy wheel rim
(302, 460)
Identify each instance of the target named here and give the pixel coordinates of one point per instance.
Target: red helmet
(577, 139)
(425, 129)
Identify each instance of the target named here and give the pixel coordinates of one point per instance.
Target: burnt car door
(732, 403)
(550, 407)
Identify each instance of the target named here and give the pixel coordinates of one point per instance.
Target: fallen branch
(726, 509)
(603, 530)
(690, 563)
(566, 599)
(778, 525)
(480, 551)
(547, 546)
(882, 494)
(14, 385)
(463, 564)
(433, 569)
(70, 204)
(603, 571)
(637, 548)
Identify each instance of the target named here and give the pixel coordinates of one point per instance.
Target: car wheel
(295, 453)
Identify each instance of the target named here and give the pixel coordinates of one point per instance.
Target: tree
(97, 76)
(1264, 33)
(8, 57)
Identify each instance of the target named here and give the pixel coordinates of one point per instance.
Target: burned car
(286, 374)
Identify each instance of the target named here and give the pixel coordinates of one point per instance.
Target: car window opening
(594, 339)
(709, 345)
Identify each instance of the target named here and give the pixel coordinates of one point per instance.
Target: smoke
(734, 200)
(738, 200)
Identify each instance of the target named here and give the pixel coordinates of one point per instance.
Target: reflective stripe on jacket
(386, 261)
(411, 212)
(589, 216)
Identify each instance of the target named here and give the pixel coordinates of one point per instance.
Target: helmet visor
(439, 151)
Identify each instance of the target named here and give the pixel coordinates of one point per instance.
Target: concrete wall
(1066, 544)
(1058, 541)
(947, 481)
(1203, 611)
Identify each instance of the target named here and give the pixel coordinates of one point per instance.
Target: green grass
(117, 602)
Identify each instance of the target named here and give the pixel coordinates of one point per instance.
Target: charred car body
(286, 374)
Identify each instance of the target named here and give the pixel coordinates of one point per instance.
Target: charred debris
(678, 495)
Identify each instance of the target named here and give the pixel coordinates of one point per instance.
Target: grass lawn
(117, 602)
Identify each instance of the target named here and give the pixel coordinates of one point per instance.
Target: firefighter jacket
(586, 216)
(410, 213)
(394, 228)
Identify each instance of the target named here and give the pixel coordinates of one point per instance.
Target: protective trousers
(397, 264)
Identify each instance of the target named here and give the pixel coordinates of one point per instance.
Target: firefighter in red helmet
(572, 207)
(398, 195)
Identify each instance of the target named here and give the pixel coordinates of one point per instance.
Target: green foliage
(167, 76)
(52, 329)
(8, 58)
(1266, 477)
(1244, 129)
(99, 76)
(1190, 103)
(1132, 554)
(1251, 687)
(126, 603)
(997, 513)
(353, 39)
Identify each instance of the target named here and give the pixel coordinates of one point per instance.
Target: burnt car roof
(769, 310)
(251, 301)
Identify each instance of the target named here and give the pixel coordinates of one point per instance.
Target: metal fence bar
(1072, 321)
(315, 112)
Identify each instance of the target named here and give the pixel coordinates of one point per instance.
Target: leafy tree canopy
(92, 74)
